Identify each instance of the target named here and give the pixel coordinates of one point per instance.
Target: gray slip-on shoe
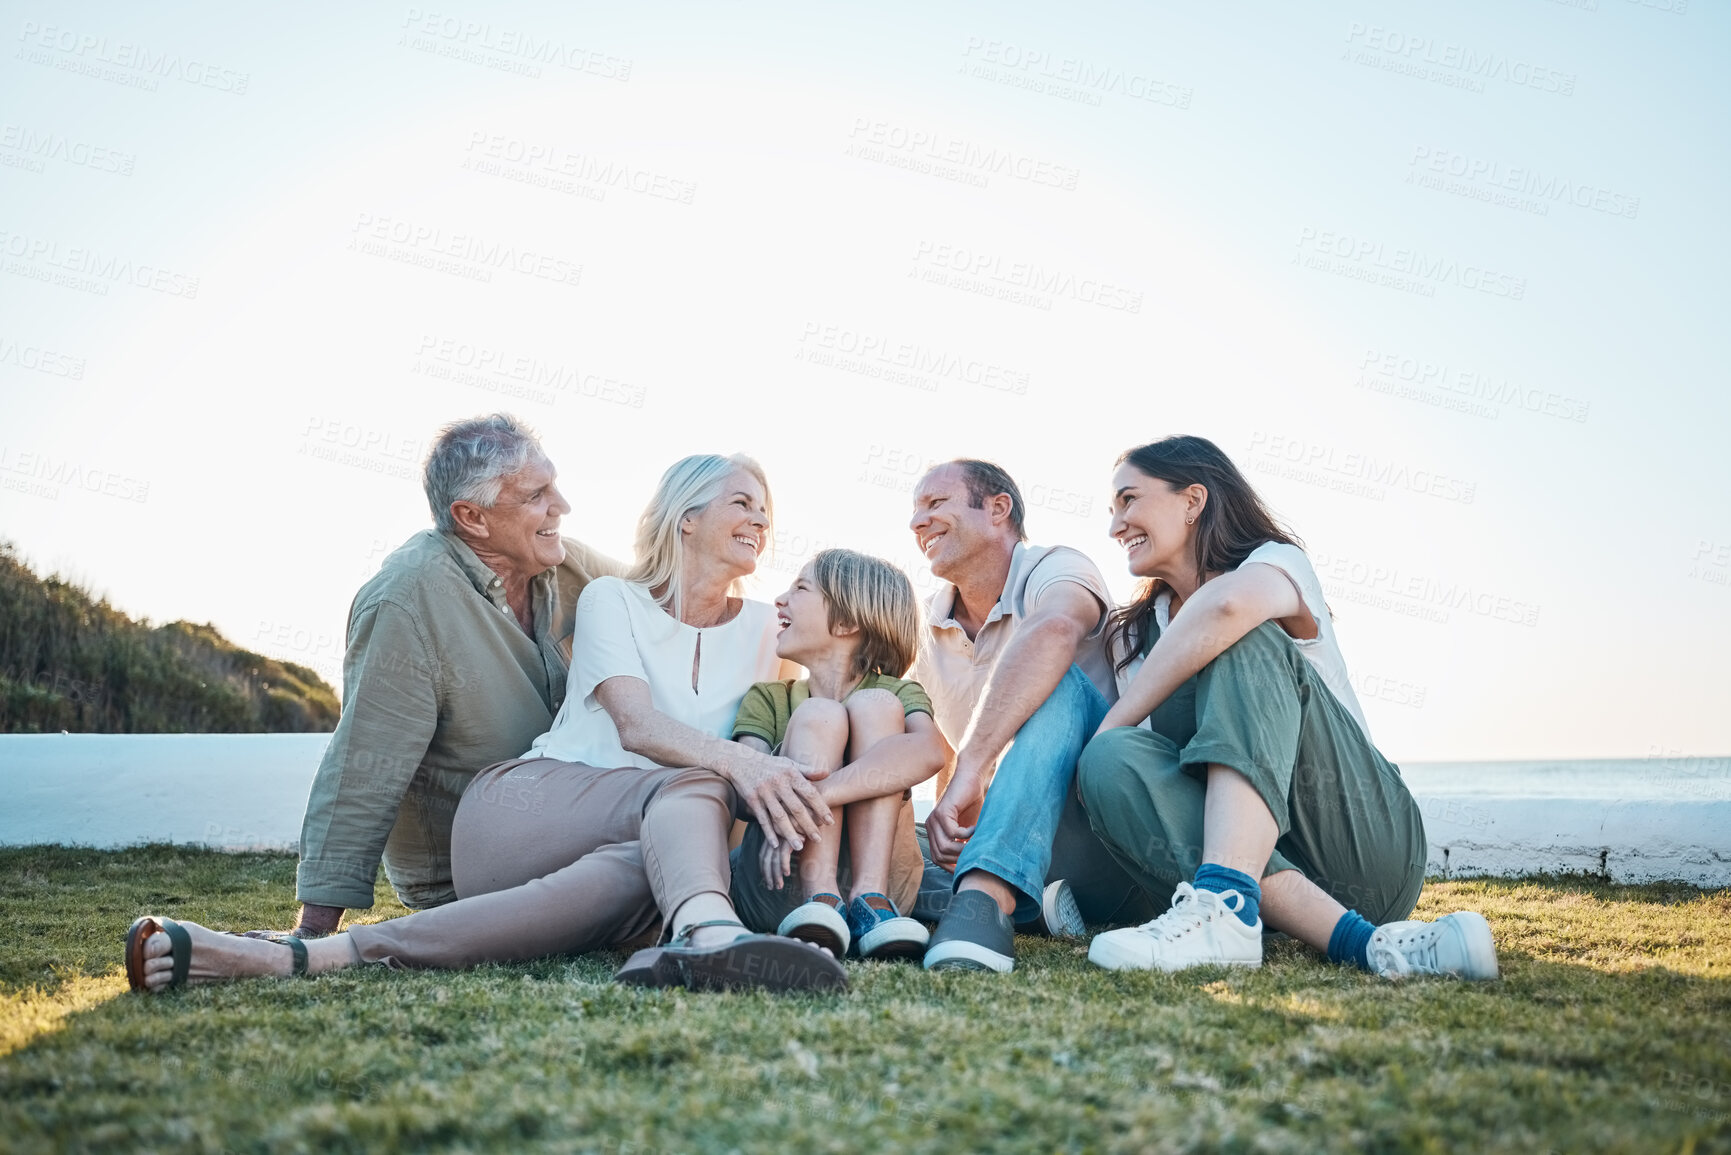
(974, 935)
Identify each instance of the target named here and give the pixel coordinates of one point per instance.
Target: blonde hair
(689, 484)
(873, 596)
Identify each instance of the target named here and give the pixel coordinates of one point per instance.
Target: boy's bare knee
(875, 708)
(819, 716)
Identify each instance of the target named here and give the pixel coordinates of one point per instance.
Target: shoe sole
(141, 929)
(180, 952)
(960, 955)
(1058, 910)
(815, 927)
(894, 940)
(1481, 948)
(819, 936)
(757, 962)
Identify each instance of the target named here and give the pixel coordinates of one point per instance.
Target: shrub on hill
(70, 661)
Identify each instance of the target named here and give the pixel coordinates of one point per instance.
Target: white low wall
(1628, 840)
(248, 791)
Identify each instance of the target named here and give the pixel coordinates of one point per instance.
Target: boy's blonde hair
(873, 596)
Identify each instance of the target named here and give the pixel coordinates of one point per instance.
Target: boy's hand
(777, 863)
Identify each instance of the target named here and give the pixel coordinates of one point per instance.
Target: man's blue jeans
(1032, 802)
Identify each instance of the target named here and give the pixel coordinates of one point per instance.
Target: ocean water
(1656, 779)
(250, 790)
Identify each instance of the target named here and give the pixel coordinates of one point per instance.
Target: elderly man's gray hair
(471, 459)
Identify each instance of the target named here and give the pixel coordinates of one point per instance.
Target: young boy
(866, 737)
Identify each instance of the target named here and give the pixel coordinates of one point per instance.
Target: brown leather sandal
(180, 943)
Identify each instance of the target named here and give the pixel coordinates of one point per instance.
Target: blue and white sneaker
(879, 932)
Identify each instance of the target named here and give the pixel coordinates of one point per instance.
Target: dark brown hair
(1233, 522)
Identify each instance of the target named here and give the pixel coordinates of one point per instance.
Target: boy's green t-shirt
(767, 706)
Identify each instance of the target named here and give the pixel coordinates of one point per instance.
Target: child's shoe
(820, 921)
(879, 932)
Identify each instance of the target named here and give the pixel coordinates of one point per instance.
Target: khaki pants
(554, 857)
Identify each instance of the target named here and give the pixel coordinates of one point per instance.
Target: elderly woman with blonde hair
(620, 813)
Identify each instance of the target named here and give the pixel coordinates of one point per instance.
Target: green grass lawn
(1610, 1031)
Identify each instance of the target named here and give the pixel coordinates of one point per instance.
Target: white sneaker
(1456, 944)
(1059, 913)
(1200, 929)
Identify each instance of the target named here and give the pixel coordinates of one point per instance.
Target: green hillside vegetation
(70, 661)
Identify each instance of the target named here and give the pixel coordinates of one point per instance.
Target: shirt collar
(944, 600)
(487, 583)
(1163, 610)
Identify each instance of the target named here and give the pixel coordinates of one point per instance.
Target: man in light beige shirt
(457, 656)
(1013, 658)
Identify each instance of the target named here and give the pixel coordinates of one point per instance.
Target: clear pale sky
(1445, 280)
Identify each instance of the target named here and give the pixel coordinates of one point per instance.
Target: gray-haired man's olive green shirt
(439, 682)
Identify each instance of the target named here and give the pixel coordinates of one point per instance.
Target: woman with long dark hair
(1236, 772)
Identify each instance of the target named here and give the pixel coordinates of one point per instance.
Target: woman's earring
(1190, 521)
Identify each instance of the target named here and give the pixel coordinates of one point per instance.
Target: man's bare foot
(317, 921)
(215, 958)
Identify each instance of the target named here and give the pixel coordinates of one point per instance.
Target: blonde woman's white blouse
(620, 631)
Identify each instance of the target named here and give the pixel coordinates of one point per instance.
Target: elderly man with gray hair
(457, 657)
